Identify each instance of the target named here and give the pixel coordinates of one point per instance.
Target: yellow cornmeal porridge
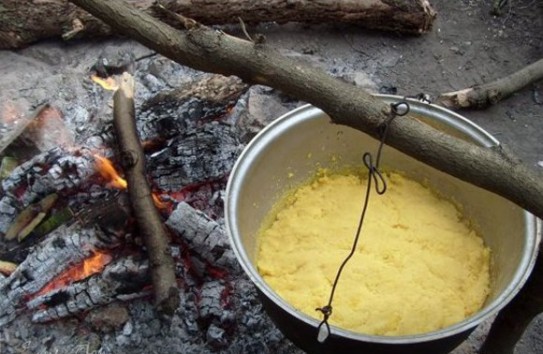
(418, 266)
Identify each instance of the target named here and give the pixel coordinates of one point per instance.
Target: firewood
(206, 49)
(482, 96)
(147, 216)
(66, 246)
(101, 289)
(47, 19)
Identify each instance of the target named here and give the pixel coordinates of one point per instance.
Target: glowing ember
(107, 170)
(109, 83)
(92, 265)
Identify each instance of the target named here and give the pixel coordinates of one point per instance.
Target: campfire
(71, 248)
(75, 271)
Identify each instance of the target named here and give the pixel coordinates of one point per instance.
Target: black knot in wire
(375, 174)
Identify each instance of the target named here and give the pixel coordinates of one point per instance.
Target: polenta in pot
(418, 267)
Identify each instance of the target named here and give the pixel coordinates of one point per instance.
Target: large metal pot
(290, 149)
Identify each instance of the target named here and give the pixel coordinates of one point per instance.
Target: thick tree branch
(26, 21)
(482, 96)
(147, 216)
(209, 50)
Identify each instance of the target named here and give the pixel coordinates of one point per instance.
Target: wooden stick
(202, 48)
(148, 219)
(482, 96)
(26, 21)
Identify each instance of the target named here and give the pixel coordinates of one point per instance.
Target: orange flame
(91, 265)
(107, 170)
(158, 202)
(109, 83)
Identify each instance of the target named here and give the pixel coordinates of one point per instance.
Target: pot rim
(442, 115)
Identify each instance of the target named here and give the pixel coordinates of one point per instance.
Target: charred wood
(122, 280)
(64, 248)
(55, 171)
(211, 98)
(205, 237)
(195, 156)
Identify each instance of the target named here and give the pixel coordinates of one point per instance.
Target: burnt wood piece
(122, 280)
(65, 247)
(148, 218)
(195, 156)
(54, 171)
(484, 95)
(204, 237)
(59, 170)
(25, 21)
(209, 98)
(206, 49)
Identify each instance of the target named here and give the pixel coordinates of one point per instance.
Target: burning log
(488, 168)
(65, 247)
(122, 280)
(54, 18)
(133, 159)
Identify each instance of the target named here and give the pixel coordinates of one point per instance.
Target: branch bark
(205, 49)
(26, 21)
(147, 216)
(482, 96)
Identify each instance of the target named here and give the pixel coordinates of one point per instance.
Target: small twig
(148, 218)
(482, 96)
(244, 29)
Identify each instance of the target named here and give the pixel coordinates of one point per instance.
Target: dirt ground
(468, 45)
